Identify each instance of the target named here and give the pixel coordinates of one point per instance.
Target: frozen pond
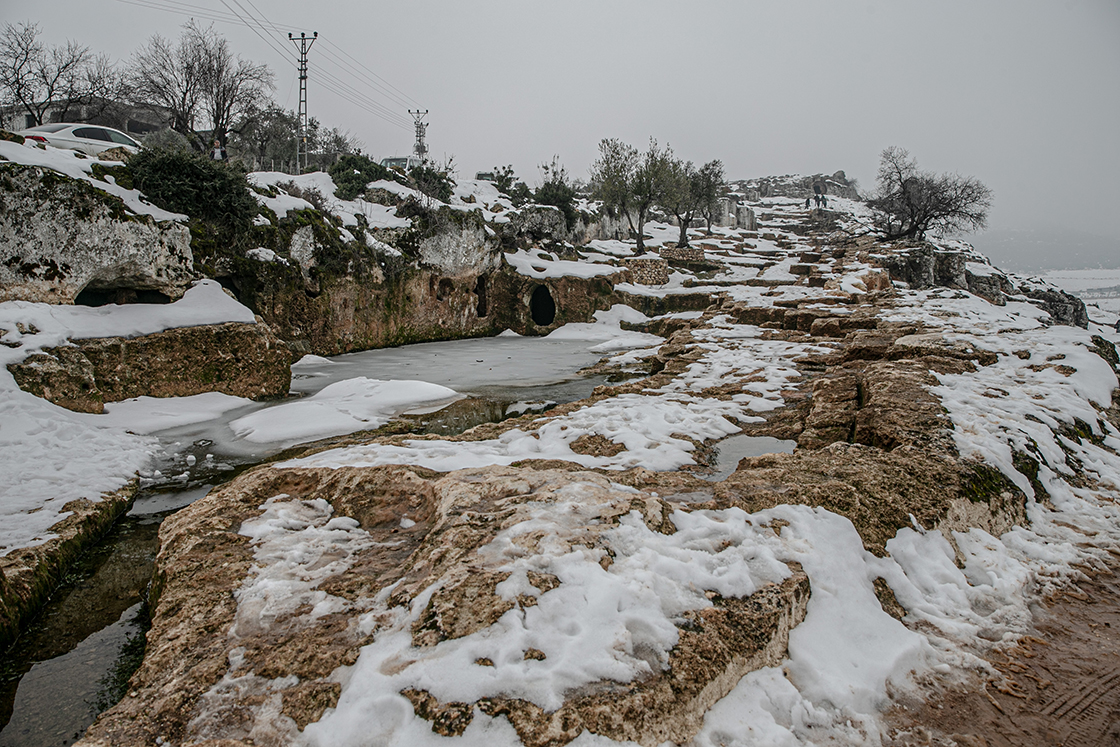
(476, 367)
(75, 661)
(491, 378)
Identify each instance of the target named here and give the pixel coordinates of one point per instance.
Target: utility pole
(303, 43)
(420, 148)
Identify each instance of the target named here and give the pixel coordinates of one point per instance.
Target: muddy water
(75, 660)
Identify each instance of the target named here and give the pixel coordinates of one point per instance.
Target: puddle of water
(59, 698)
(733, 448)
(150, 504)
(74, 659)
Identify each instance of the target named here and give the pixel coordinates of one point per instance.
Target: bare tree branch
(38, 79)
(910, 203)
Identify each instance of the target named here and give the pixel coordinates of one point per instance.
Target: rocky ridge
(418, 568)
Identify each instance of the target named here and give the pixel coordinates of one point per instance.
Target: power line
(339, 88)
(346, 54)
(346, 92)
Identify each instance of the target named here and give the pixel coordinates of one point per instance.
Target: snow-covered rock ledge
(67, 475)
(63, 231)
(80, 357)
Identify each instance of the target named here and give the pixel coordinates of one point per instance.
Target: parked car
(85, 138)
(401, 163)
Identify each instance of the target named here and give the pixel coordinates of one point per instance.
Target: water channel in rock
(75, 660)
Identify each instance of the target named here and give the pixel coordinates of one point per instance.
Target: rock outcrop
(243, 360)
(61, 236)
(925, 265)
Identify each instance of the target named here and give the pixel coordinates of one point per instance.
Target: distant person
(218, 153)
(824, 201)
(807, 202)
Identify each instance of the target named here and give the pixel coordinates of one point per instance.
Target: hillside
(829, 478)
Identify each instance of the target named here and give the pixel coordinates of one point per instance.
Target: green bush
(557, 190)
(206, 190)
(351, 173)
(434, 183)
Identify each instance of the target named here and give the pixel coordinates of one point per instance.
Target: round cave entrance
(542, 307)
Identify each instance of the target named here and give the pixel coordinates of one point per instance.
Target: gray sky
(1022, 94)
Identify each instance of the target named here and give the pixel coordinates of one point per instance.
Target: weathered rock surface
(243, 360)
(232, 673)
(228, 665)
(60, 236)
(926, 266)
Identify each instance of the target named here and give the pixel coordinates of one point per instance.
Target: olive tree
(909, 203)
(630, 183)
(708, 186)
(690, 190)
(679, 196)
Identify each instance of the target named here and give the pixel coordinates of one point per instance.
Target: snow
(618, 623)
(347, 211)
(152, 414)
(537, 263)
(50, 456)
(614, 623)
(79, 167)
(340, 408)
(265, 255)
(204, 303)
(649, 425)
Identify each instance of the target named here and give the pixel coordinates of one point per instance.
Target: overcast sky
(1022, 94)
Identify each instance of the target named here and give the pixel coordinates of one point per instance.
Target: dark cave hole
(480, 291)
(106, 296)
(542, 307)
(445, 289)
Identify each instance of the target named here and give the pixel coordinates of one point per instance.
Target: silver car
(85, 138)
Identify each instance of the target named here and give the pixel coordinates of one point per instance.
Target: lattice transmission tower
(420, 148)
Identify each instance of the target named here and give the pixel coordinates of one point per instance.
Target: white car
(85, 138)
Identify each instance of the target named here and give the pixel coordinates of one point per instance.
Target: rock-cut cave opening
(542, 307)
(104, 296)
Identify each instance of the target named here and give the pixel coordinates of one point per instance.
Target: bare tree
(169, 76)
(908, 203)
(231, 87)
(37, 78)
(198, 79)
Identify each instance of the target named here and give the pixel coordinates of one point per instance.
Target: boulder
(243, 360)
(60, 236)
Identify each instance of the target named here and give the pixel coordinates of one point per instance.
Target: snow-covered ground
(848, 652)
(843, 659)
